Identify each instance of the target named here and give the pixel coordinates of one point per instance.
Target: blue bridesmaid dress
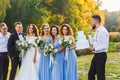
(57, 71)
(70, 66)
(45, 71)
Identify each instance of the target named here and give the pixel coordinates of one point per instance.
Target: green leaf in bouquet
(48, 49)
(20, 54)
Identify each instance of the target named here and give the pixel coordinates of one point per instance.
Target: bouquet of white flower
(65, 41)
(40, 42)
(22, 46)
(50, 51)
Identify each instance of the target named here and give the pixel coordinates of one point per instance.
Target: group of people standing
(35, 66)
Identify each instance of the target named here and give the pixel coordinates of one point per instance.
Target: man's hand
(90, 31)
(90, 48)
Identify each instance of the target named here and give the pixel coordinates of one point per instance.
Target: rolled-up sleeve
(102, 41)
(90, 39)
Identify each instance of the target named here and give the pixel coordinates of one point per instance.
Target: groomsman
(100, 42)
(13, 52)
(4, 61)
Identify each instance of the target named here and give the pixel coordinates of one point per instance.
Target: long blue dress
(45, 71)
(70, 66)
(57, 72)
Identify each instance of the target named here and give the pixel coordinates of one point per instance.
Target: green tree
(112, 19)
(33, 11)
(77, 13)
(4, 4)
(113, 29)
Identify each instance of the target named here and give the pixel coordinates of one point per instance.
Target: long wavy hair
(42, 32)
(55, 26)
(69, 29)
(35, 30)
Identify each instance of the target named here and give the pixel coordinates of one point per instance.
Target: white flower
(23, 44)
(45, 55)
(40, 38)
(37, 41)
(55, 50)
(66, 38)
(17, 41)
(19, 44)
(48, 48)
(51, 46)
(26, 44)
(60, 41)
(70, 41)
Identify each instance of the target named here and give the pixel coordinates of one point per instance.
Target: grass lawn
(112, 67)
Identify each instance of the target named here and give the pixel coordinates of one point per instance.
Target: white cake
(82, 42)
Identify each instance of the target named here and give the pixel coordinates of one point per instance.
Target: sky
(111, 5)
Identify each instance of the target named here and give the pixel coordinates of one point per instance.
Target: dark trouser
(4, 62)
(98, 66)
(14, 63)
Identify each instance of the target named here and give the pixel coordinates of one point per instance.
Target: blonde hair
(45, 24)
(2, 24)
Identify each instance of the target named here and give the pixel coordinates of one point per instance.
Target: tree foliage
(75, 12)
(112, 21)
(4, 4)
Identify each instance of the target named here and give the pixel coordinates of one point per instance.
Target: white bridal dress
(29, 69)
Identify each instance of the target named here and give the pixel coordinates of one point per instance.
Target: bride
(29, 67)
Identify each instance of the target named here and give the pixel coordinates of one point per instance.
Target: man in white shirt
(4, 61)
(100, 42)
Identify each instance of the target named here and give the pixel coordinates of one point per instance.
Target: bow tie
(20, 33)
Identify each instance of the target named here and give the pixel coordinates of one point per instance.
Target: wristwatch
(93, 49)
(89, 33)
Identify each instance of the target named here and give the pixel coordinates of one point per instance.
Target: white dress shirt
(20, 37)
(100, 40)
(4, 41)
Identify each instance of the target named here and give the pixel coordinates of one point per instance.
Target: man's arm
(90, 36)
(102, 41)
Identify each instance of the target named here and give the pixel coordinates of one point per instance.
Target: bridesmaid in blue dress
(57, 71)
(70, 66)
(45, 72)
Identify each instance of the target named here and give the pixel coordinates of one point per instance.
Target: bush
(114, 37)
(82, 52)
(117, 47)
(112, 47)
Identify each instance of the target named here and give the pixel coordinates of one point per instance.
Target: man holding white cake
(100, 42)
